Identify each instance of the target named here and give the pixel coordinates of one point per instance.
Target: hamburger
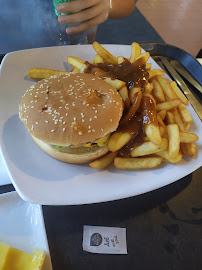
(71, 116)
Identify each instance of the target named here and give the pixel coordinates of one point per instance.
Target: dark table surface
(164, 227)
(31, 24)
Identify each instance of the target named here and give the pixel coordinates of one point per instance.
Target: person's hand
(87, 13)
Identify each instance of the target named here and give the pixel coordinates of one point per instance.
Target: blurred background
(178, 22)
(31, 24)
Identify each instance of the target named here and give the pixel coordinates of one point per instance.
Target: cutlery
(193, 100)
(180, 69)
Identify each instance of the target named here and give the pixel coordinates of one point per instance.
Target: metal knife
(186, 74)
(193, 101)
(158, 61)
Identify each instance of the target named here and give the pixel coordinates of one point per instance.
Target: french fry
(167, 90)
(168, 105)
(92, 61)
(118, 140)
(186, 117)
(157, 91)
(124, 94)
(43, 73)
(174, 140)
(148, 148)
(118, 84)
(135, 52)
(103, 162)
(132, 93)
(133, 109)
(76, 62)
(188, 149)
(162, 131)
(137, 163)
(178, 119)
(148, 66)
(148, 88)
(115, 83)
(161, 122)
(104, 54)
(164, 154)
(144, 56)
(150, 122)
(155, 72)
(100, 73)
(75, 70)
(98, 59)
(145, 94)
(120, 59)
(146, 139)
(187, 127)
(186, 137)
(179, 93)
(169, 118)
(164, 144)
(162, 114)
(153, 132)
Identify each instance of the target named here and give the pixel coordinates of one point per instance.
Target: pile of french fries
(167, 141)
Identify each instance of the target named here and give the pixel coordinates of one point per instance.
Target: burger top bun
(71, 109)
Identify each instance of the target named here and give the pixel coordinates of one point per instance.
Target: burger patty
(76, 150)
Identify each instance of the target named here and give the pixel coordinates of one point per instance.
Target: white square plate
(41, 179)
(22, 225)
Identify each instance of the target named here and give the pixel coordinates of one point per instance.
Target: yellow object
(100, 142)
(15, 259)
(103, 141)
(103, 162)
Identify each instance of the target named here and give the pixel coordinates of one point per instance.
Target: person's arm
(90, 13)
(120, 9)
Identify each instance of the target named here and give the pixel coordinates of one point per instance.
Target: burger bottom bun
(70, 157)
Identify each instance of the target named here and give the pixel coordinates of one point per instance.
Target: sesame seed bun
(70, 110)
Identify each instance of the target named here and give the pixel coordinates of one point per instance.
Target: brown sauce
(95, 98)
(133, 74)
(144, 116)
(135, 128)
(149, 112)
